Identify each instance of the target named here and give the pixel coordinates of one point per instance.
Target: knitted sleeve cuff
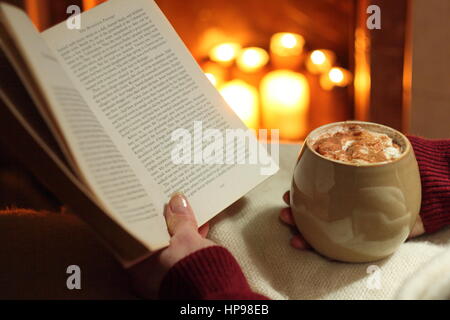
(433, 157)
(209, 273)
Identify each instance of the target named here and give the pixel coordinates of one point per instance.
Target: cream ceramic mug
(355, 212)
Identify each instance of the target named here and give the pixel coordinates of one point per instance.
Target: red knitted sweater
(213, 273)
(433, 157)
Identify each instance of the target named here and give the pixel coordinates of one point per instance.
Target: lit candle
(286, 49)
(320, 61)
(225, 53)
(335, 77)
(285, 100)
(286, 44)
(252, 59)
(243, 99)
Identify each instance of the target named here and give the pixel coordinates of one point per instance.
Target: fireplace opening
(283, 65)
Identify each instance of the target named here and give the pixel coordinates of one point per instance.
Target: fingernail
(178, 204)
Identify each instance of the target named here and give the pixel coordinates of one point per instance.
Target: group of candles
(283, 93)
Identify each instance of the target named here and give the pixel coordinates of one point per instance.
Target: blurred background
(298, 64)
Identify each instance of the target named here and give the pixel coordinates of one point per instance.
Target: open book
(93, 112)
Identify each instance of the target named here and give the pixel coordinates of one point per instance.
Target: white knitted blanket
(251, 230)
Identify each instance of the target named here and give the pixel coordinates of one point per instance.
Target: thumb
(179, 214)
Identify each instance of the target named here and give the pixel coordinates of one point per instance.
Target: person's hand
(297, 240)
(186, 238)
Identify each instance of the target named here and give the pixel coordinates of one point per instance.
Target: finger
(418, 229)
(298, 242)
(179, 215)
(287, 217)
(286, 197)
(203, 230)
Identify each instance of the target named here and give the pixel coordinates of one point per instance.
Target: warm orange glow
(285, 100)
(362, 81)
(211, 78)
(288, 40)
(320, 61)
(217, 71)
(243, 99)
(335, 77)
(252, 59)
(89, 4)
(318, 57)
(38, 13)
(225, 53)
(286, 44)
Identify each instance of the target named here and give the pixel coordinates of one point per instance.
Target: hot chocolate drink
(354, 144)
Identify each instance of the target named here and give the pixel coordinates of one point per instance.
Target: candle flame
(318, 57)
(320, 61)
(287, 44)
(336, 75)
(252, 59)
(225, 52)
(288, 40)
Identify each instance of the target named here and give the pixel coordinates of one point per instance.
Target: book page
(107, 173)
(143, 85)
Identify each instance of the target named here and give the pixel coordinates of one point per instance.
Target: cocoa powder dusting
(355, 144)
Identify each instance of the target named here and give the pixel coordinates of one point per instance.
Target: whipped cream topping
(354, 144)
